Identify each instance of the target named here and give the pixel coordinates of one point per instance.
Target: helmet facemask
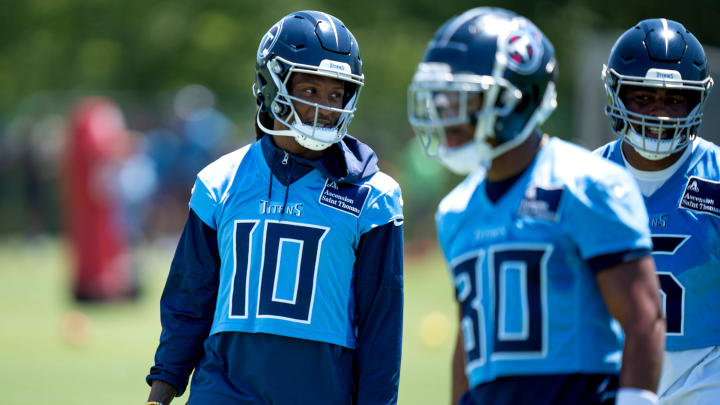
(653, 137)
(439, 99)
(312, 135)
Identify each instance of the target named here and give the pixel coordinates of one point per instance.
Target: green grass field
(55, 351)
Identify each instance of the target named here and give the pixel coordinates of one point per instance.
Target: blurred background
(144, 94)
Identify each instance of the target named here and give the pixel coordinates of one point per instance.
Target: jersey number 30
(289, 258)
(517, 299)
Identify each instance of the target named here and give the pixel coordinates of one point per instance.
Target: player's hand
(162, 392)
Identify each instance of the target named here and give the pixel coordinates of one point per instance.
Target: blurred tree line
(137, 51)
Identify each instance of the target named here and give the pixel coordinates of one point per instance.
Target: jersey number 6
(671, 290)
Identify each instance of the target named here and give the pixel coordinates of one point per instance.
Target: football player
(657, 83)
(545, 242)
(287, 283)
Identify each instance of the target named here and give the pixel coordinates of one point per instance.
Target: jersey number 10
(289, 250)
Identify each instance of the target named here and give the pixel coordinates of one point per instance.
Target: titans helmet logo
(269, 39)
(523, 49)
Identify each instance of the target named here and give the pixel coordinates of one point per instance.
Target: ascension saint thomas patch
(347, 198)
(541, 203)
(701, 195)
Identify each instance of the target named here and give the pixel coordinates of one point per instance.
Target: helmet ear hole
(536, 93)
(693, 98)
(261, 80)
(618, 124)
(259, 88)
(524, 102)
(350, 89)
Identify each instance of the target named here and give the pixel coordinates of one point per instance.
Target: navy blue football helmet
(309, 42)
(500, 60)
(656, 53)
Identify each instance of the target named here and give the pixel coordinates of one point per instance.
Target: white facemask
(461, 159)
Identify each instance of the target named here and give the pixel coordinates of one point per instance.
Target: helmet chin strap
(282, 132)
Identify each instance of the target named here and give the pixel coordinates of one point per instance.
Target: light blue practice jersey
(529, 299)
(288, 273)
(685, 224)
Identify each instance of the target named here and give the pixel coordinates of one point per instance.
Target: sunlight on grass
(53, 350)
